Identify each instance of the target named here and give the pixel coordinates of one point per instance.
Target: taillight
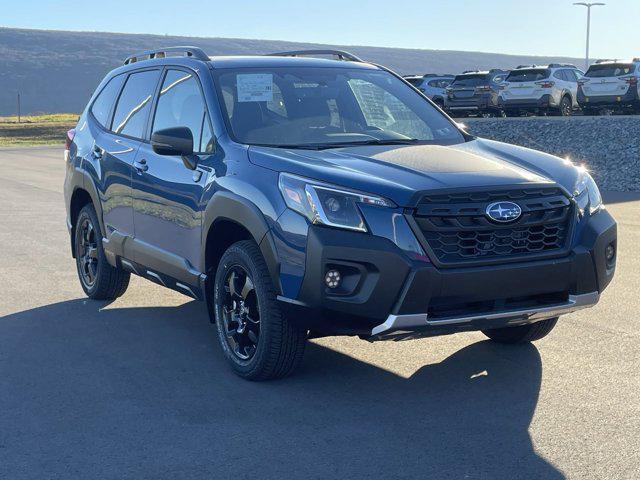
(483, 88)
(69, 138)
(632, 81)
(545, 84)
(502, 86)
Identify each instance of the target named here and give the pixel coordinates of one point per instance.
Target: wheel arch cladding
(79, 198)
(230, 218)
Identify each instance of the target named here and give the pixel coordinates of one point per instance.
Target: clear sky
(536, 27)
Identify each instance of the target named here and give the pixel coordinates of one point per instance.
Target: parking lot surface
(139, 388)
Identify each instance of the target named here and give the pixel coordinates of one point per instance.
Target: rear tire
(523, 333)
(259, 342)
(99, 280)
(566, 106)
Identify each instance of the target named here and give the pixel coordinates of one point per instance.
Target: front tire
(522, 333)
(99, 280)
(259, 342)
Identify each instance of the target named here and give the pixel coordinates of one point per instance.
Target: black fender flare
(225, 205)
(81, 180)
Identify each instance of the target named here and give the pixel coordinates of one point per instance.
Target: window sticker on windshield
(255, 87)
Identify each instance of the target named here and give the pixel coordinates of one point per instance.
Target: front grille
(457, 231)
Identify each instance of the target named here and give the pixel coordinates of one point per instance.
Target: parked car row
(608, 86)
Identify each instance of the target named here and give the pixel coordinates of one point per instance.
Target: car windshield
(325, 107)
(527, 75)
(609, 70)
(470, 81)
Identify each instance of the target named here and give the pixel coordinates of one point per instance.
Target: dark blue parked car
(303, 197)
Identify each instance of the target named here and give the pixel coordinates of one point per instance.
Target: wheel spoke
(232, 284)
(92, 252)
(253, 337)
(247, 287)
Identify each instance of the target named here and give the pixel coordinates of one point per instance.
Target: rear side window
(416, 82)
(529, 75)
(134, 104)
(442, 83)
(609, 70)
(104, 101)
(470, 81)
(180, 104)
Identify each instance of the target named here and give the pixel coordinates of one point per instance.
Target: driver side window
(180, 104)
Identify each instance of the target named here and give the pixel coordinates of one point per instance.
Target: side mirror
(175, 141)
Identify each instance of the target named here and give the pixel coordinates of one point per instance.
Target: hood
(403, 172)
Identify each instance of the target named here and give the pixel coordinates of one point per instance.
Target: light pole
(588, 5)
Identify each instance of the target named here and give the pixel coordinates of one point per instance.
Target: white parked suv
(551, 89)
(610, 85)
(433, 85)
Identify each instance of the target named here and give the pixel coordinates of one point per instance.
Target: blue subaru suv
(303, 197)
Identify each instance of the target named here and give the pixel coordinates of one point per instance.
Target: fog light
(332, 279)
(610, 252)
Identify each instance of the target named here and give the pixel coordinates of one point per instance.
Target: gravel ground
(608, 146)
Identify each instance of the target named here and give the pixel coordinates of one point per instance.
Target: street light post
(588, 5)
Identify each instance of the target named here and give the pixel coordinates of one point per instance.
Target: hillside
(56, 71)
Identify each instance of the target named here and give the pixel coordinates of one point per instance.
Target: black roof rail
(526, 66)
(556, 65)
(636, 59)
(470, 71)
(339, 54)
(605, 60)
(194, 52)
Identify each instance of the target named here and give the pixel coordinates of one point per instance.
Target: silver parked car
(610, 85)
(433, 85)
(551, 89)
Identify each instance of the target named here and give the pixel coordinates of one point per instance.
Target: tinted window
(528, 75)
(442, 83)
(560, 75)
(416, 82)
(134, 103)
(180, 104)
(470, 81)
(104, 101)
(609, 70)
(499, 78)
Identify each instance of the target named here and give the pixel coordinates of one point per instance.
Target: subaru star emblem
(504, 212)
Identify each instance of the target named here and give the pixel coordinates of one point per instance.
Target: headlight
(587, 194)
(326, 204)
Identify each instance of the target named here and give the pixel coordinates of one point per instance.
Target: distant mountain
(56, 71)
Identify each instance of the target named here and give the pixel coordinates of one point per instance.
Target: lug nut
(332, 279)
(610, 252)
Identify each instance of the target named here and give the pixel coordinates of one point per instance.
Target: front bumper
(391, 295)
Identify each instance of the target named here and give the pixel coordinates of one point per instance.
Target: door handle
(96, 152)
(141, 165)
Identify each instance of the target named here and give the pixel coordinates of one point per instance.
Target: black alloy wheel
(87, 253)
(566, 107)
(240, 313)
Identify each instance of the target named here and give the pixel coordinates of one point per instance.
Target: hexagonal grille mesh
(457, 230)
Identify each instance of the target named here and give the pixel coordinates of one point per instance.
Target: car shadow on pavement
(93, 392)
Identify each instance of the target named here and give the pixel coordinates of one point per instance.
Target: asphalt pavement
(139, 389)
